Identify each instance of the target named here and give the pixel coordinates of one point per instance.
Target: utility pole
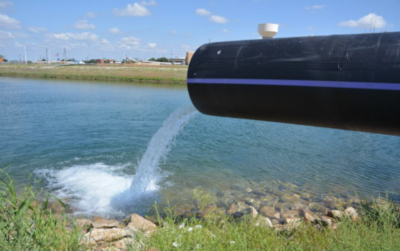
(26, 62)
(47, 56)
(20, 58)
(65, 55)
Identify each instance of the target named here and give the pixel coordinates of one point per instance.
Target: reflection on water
(85, 140)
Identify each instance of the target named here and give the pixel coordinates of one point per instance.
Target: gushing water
(148, 174)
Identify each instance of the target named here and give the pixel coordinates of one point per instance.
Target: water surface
(85, 141)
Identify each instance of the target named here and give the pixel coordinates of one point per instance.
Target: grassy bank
(126, 73)
(29, 224)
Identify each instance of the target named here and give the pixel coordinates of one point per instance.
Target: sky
(89, 29)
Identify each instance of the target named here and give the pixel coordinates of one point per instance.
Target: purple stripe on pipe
(308, 83)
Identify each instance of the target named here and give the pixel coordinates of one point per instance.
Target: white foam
(88, 188)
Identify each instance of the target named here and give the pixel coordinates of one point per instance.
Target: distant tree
(162, 59)
(1, 56)
(71, 59)
(107, 61)
(152, 59)
(29, 62)
(44, 60)
(5, 60)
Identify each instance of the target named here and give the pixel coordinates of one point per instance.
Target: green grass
(379, 229)
(28, 223)
(154, 74)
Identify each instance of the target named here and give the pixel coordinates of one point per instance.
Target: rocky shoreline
(283, 209)
(107, 235)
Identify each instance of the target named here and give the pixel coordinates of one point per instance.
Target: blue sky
(154, 28)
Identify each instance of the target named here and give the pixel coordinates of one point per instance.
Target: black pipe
(341, 81)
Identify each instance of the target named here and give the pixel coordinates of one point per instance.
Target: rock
(87, 241)
(351, 212)
(292, 223)
(234, 208)
(264, 222)
(103, 223)
(288, 198)
(252, 202)
(111, 234)
(268, 211)
(290, 214)
(292, 220)
(247, 211)
(110, 249)
(337, 214)
(137, 222)
(308, 217)
(249, 190)
(84, 224)
(124, 243)
(275, 221)
(180, 210)
(326, 220)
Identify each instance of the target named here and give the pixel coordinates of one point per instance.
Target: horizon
(146, 29)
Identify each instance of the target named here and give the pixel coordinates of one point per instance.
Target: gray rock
(335, 214)
(268, 211)
(264, 222)
(351, 212)
(248, 211)
(326, 220)
(290, 214)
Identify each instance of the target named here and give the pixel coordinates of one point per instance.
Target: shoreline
(129, 74)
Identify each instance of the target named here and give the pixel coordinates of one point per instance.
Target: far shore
(174, 74)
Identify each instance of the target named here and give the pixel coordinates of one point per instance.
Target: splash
(148, 175)
(104, 190)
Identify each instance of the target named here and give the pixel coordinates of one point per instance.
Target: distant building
(177, 60)
(189, 55)
(105, 61)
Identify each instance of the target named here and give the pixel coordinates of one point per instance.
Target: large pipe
(341, 81)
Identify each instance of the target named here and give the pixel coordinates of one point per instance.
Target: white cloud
(114, 30)
(83, 25)
(151, 45)
(18, 45)
(369, 21)
(91, 14)
(310, 28)
(314, 7)
(135, 9)
(212, 18)
(37, 29)
(7, 34)
(9, 22)
(173, 32)
(203, 12)
(76, 36)
(149, 3)
(218, 19)
(5, 4)
(129, 42)
(225, 30)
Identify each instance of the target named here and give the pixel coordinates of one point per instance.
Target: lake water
(85, 141)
